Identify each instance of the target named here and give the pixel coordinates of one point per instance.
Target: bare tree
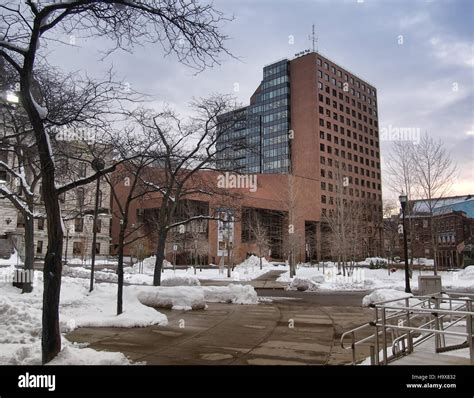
(435, 173)
(188, 151)
(400, 171)
(140, 150)
(185, 28)
(22, 165)
(390, 229)
(259, 233)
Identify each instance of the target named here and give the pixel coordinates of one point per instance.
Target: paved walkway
(265, 281)
(286, 331)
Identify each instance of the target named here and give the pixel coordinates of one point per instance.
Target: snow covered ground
(20, 314)
(310, 278)
(20, 319)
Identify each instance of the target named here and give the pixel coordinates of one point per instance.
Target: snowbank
(384, 295)
(147, 267)
(73, 355)
(20, 319)
(235, 294)
(183, 298)
(253, 261)
(466, 273)
(181, 280)
(195, 297)
(302, 283)
(13, 260)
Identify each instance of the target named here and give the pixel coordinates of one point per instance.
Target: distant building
(453, 225)
(309, 118)
(76, 206)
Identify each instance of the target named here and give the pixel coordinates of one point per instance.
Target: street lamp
(403, 202)
(98, 165)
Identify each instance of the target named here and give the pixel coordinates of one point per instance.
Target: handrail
(412, 312)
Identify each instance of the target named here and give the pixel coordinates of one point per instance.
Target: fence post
(409, 337)
(384, 336)
(469, 329)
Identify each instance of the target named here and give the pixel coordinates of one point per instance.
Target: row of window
(348, 100)
(346, 77)
(345, 87)
(350, 155)
(351, 191)
(275, 81)
(333, 126)
(329, 161)
(347, 110)
(275, 116)
(350, 144)
(357, 170)
(275, 93)
(274, 70)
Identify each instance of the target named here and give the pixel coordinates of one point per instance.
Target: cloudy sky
(418, 53)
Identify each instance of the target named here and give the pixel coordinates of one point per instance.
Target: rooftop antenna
(314, 39)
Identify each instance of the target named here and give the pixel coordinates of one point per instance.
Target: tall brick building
(310, 123)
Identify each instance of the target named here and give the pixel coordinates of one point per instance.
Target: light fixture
(12, 97)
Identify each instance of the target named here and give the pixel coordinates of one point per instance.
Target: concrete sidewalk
(265, 281)
(279, 332)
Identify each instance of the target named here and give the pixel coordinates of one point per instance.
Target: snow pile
(235, 294)
(81, 272)
(302, 283)
(181, 280)
(375, 260)
(384, 295)
(20, 319)
(183, 298)
(81, 308)
(252, 262)
(20, 323)
(13, 260)
(72, 355)
(466, 273)
(195, 297)
(147, 266)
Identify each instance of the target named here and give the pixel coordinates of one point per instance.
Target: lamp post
(98, 165)
(68, 229)
(403, 202)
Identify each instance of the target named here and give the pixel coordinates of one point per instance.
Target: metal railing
(405, 323)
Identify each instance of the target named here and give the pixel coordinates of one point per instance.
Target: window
(77, 248)
(98, 226)
(82, 169)
(78, 225)
(323, 198)
(41, 224)
(100, 198)
(20, 220)
(39, 247)
(97, 248)
(80, 197)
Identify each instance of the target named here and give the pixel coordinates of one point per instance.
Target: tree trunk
(120, 269)
(160, 256)
(29, 253)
